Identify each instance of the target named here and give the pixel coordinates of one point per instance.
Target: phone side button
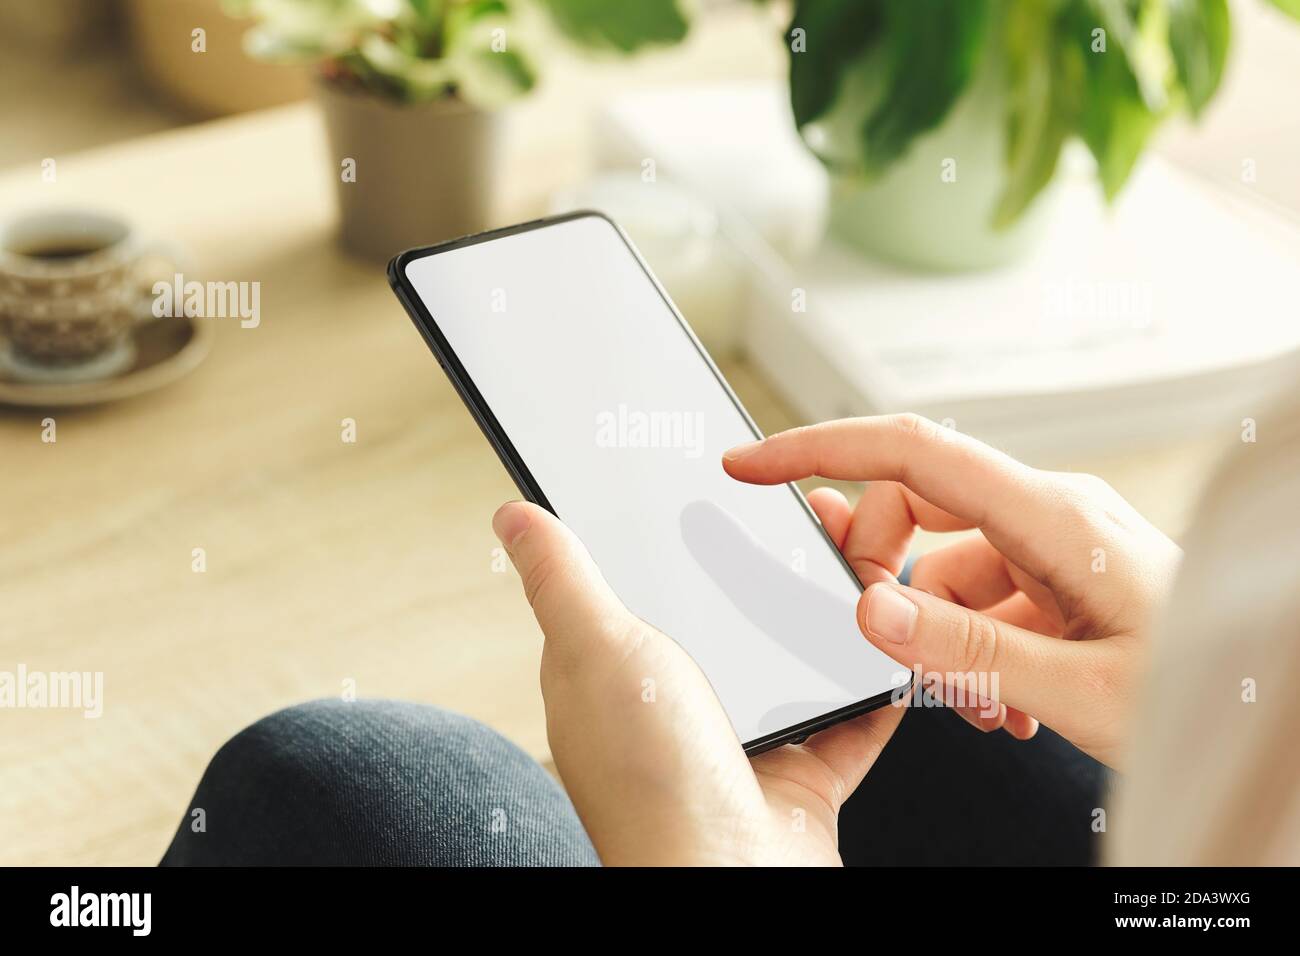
(802, 738)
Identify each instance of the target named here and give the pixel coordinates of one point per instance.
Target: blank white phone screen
(622, 424)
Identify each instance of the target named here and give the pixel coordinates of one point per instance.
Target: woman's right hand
(1052, 601)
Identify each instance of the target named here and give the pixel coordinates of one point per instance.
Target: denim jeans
(376, 782)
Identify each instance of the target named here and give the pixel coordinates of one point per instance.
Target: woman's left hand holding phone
(642, 744)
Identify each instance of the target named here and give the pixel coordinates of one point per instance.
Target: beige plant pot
(220, 80)
(409, 175)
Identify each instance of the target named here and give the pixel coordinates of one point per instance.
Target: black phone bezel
(523, 478)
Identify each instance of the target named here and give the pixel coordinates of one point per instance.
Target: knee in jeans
(377, 781)
(330, 736)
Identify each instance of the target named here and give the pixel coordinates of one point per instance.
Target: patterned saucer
(159, 352)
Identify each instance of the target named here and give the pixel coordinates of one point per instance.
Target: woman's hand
(1053, 600)
(645, 750)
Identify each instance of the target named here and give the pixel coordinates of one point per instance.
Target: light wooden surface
(327, 562)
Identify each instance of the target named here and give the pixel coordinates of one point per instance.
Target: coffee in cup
(71, 289)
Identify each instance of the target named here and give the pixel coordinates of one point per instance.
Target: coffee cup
(72, 285)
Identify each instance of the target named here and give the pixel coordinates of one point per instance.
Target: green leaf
(1291, 7)
(421, 22)
(1137, 32)
(489, 80)
(1043, 79)
(932, 48)
(488, 71)
(299, 30)
(429, 11)
(419, 79)
(1117, 115)
(625, 25)
(461, 15)
(825, 38)
(1198, 39)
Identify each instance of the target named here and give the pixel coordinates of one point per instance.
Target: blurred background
(1069, 229)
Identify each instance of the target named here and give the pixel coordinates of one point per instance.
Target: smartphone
(606, 410)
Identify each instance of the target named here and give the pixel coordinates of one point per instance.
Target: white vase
(933, 208)
(423, 173)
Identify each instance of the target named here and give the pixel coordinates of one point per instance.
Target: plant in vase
(942, 121)
(411, 91)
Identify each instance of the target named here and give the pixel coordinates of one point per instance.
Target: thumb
(570, 598)
(1031, 672)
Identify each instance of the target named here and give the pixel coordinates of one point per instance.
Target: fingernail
(510, 522)
(889, 615)
(740, 451)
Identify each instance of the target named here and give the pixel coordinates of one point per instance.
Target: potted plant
(942, 121)
(410, 91)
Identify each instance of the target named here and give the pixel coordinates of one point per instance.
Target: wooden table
(328, 564)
